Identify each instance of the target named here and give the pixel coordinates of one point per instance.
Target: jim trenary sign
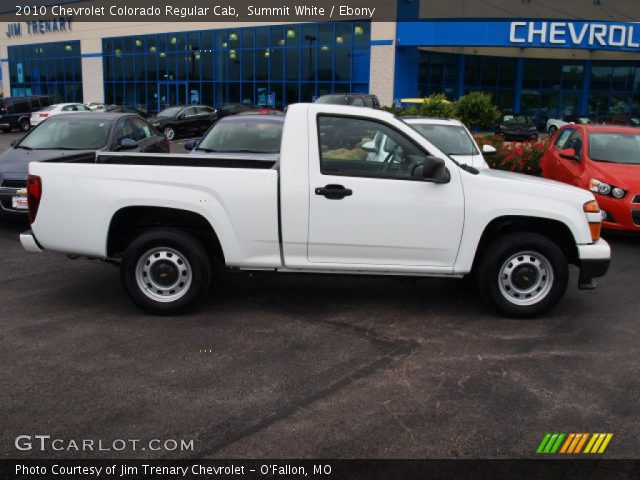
(522, 33)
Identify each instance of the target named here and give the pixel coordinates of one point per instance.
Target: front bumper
(29, 242)
(4, 125)
(593, 261)
(622, 215)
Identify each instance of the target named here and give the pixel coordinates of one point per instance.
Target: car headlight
(533, 127)
(604, 188)
(156, 124)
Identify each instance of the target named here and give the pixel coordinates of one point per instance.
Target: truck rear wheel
(165, 271)
(523, 275)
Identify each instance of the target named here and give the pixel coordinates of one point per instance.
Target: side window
(83, 108)
(357, 102)
(21, 106)
(125, 130)
(575, 141)
(203, 110)
(142, 130)
(342, 138)
(189, 112)
(561, 141)
(68, 108)
(368, 102)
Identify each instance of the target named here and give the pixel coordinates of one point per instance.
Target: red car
(604, 159)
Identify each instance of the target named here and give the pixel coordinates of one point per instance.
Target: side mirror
(369, 146)
(127, 144)
(191, 145)
(489, 149)
(434, 170)
(569, 154)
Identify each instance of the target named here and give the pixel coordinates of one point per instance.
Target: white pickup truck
(322, 206)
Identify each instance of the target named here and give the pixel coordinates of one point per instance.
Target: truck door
(378, 213)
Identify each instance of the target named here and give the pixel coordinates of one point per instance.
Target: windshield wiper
(208, 150)
(23, 147)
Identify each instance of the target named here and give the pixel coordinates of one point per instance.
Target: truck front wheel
(523, 275)
(165, 271)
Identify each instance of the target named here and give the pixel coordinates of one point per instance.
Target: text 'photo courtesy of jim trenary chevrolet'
(339, 240)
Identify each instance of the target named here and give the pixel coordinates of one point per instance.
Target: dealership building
(542, 58)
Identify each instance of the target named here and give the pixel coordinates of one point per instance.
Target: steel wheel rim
(169, 133)
(526, 278)
(164, 274)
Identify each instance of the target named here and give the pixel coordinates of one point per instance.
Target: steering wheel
(390, 159)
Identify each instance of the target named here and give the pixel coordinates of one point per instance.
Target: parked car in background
(554, 124)
(319, 208)
(96, 106)
(262, 111)
(126, 109)
(15, 112)
(256, 135)
(620, 119)
(57, 109)
(517, 127)
(184, 120)
(66, 135)
(353, 99)
(453, 138)
(235, 108)
(604, 160)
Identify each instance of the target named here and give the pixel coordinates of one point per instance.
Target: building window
(46, 69)
(284, 63)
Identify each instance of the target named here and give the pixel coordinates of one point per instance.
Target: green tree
(437, 106)
(476, 109)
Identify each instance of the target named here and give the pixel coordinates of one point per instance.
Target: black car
(184, 120)
(126, 109)
(354, 99)
(517, 126)
(234, 108)
(15, 112)
(66, 135)
(253, 136)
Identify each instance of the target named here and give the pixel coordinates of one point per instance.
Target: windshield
(334, 99)
(170, 112)
(451, 139)
(615, 147)
(68, 132)
(250, 135)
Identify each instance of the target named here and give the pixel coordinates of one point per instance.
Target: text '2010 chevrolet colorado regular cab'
(325, 206)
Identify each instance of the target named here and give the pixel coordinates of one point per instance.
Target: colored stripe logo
(574, 443)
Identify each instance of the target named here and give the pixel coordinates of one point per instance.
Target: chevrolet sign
(575, 34)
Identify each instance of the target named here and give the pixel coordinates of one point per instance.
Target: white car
(555, 124)
(57, 109)
(173, 221)
(453, 138)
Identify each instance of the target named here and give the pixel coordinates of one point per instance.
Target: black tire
(552, 130)
(178, 252)
(169, 132)
(500, 289)
(25, 125)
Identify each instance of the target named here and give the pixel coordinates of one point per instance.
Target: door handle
(334, 192)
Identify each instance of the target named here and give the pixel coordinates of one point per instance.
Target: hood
(621, 175)
(15, 161)
(540, 184)
(476, 161)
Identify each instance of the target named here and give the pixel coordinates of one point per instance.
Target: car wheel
(24, 125)
(169, 133)
(523, 275)
(165, 271)
(552, 130)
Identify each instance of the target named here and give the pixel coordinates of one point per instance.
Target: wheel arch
(130, 221)
(554, 230)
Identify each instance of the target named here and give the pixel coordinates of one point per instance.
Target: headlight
(156, 124)
(533, 127)
(617, 193)
(606, 189)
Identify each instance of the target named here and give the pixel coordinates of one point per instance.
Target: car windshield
(170, 112)
(334, 99)
(242, 134)
(451, 139)
(68, 132)
(615, 147)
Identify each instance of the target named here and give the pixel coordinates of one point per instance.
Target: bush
(437, 106)
(476, 109)
(519, 157)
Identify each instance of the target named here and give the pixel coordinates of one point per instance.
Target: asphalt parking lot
(312, 366)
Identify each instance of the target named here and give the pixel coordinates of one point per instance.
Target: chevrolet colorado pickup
(322, 206)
